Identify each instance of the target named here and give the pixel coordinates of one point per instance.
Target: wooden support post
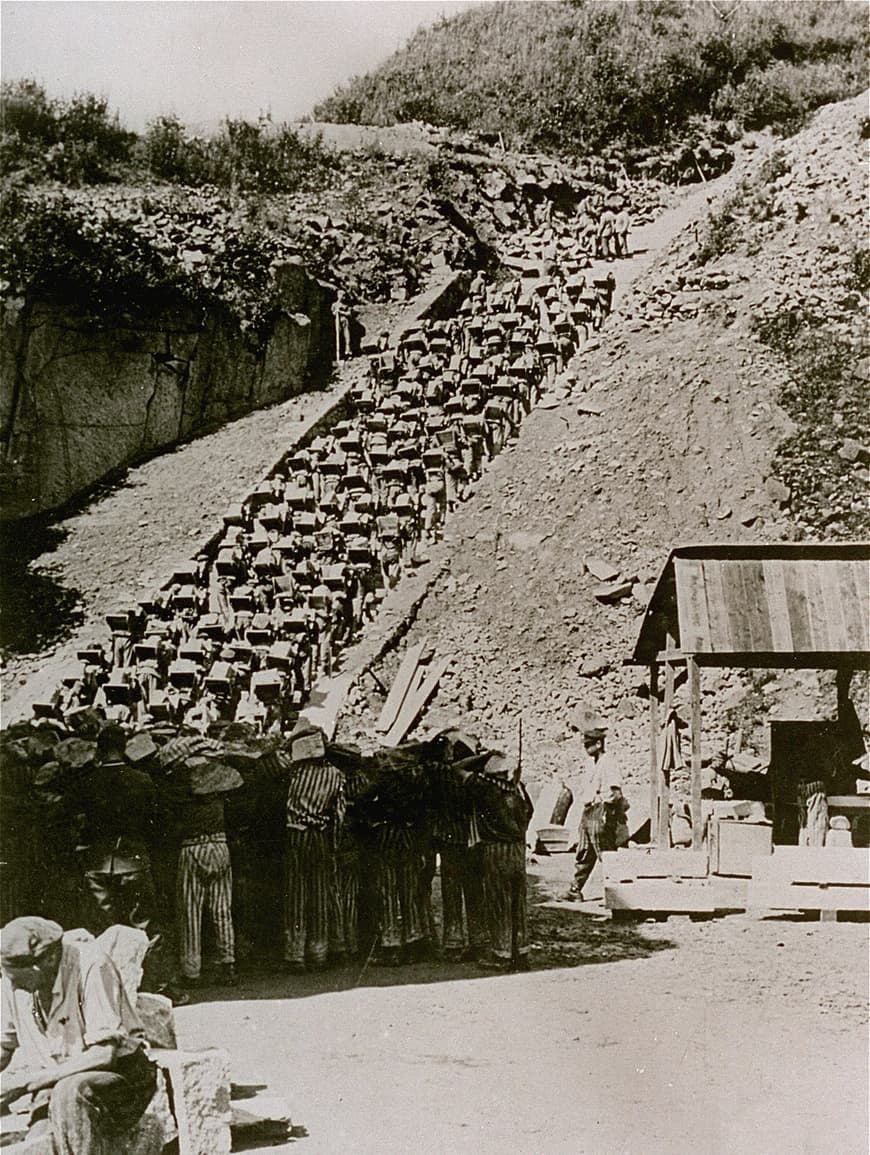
(695, 737)
(663, 775)
(844, 681)
(654, 817)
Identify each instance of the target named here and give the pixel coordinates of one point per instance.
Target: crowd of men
(238, 636)
(169, 778)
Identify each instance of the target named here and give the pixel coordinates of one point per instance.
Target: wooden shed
(780, 606)
(747, 606)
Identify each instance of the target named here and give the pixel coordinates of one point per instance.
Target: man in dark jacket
(502, 810)
(119, 805)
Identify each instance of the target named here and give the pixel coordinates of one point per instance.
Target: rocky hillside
(572, 77)
(688, 423)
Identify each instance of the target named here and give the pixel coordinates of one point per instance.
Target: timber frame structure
(804, 605)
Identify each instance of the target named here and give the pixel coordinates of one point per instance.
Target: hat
(28, 937)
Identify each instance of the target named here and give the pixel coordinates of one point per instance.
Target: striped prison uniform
(502, 813)
(205, 879)
(315, 811)
(462, 897)
(344, 932)
(397, 862)
(461, 879)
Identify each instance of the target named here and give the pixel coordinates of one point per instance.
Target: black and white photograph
(434, 577)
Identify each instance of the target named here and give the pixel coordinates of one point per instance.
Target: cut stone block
(590, 405)
(126, 947)
(155, 1011)
(200, 1084)
(260, 1118)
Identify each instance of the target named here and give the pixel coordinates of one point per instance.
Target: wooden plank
(720, 630)
(692, 605)
(417, 680)
(416, 701)
(798, 611)
(755, 602)
(624, 865)
(845, 866)
(861, 581)
(693, 896)
(782, 896)
(695, 739)
(654, 819)
(853, 598)
(819, 629)
(399, 688)
(777, 607)
(735, 606)
(833, 607)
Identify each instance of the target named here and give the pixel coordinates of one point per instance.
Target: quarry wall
(78, 401)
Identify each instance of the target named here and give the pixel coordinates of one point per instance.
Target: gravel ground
(730, 1037)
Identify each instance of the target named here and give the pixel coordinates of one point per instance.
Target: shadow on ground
(38, 611)
(560, 937)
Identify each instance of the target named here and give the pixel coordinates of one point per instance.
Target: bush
(781, 96)
(244, 156)
(128, 260)
(76, 141)
(575, 77)
(827, 399)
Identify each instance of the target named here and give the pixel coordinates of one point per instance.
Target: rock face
(78, 402)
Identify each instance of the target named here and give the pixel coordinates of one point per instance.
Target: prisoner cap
(26, 938)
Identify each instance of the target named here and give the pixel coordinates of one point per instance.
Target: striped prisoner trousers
(504, 894)
(400, 914)
(205, 879)
(461, 897)
(310, 906)
(344, 931)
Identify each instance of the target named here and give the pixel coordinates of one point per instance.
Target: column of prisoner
(229, 649)
(304, 562)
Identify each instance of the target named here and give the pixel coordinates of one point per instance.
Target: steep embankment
(573, 77)
(684, 448)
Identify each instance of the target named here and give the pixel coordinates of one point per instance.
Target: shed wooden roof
(762, 605)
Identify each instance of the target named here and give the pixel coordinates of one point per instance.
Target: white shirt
(89, 1006)
(591, 782)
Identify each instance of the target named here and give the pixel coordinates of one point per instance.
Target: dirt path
(734, 1037)
(120, 546)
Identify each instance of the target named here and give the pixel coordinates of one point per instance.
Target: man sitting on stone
(78, 1043)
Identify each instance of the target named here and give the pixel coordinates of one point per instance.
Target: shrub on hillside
(781, 96)
(574, 77)
(246, 156)
(77, 141)
(124, 261)
(827, 398)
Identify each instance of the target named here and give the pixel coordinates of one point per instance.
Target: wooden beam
(695, 739)
(654, 752)
(844, 681)
(664, 782)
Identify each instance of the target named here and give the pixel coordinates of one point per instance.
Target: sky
(204, 60)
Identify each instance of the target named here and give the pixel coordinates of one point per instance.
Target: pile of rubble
(666, 431)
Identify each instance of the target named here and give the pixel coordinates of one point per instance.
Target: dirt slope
(680, 452)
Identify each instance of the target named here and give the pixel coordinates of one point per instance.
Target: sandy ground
(719, 1038)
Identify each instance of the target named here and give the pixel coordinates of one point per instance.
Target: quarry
(469, 482)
